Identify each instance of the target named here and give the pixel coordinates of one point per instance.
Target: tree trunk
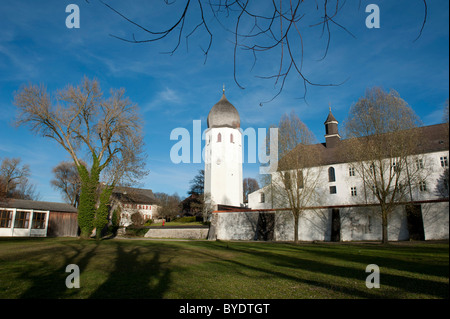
(384, 222)
(295, 227)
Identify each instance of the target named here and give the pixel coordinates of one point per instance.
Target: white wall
(435, 220)
(223, 166)
(430, 174)
(357, 224)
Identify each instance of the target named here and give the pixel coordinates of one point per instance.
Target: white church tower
(223, 155)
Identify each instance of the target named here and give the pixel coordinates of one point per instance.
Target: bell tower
(223, 155)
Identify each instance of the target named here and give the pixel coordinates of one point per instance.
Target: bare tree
(14, 180)
(250, 185)
(2, 191)
(68, 182)
(12, 173)
(384, 149)
(442, 186)
(106, 131)
(295, 183)
(170, 205)
(255, 28)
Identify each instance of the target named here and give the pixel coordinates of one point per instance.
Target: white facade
(127, 210)
(339, 189)
(350, 188)
(223, 166)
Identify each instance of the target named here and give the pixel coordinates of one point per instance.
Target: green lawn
(35, 268)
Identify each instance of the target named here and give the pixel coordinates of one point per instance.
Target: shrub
(136, 231)
(186, 219)
(148, 222)
(137, 219)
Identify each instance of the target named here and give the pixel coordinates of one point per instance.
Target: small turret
(332, 136)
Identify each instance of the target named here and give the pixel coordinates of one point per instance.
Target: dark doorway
(335, 225)
(265, 227)
(415, 222)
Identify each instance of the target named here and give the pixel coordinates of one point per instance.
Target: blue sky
(173, 90)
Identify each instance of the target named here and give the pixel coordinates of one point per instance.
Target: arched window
(231, 138)
(219, 137)
(331, 176)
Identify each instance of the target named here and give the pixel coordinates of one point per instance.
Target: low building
(28, 218)
(343, 206)
(128, 201)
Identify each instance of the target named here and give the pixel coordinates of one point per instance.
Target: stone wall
(178, 232)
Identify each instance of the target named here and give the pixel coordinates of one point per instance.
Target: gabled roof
(130, 195)
(38, 205)
(433, 138)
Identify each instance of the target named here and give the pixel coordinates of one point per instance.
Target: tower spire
(223, 88)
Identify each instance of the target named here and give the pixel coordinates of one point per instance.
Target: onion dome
(223, 114)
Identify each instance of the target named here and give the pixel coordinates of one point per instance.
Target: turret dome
(223, 114)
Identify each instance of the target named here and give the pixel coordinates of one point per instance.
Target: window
(263, 198)
(333, 190)
(419, 163)
(231, 138)
(5, 218)
(331, 176)
(351, 171)
(374, 189)
(219, 137)
(395, 167)
(422, 186)
(300, 179)
(353, 191)
(22, 219)
(444, 161)
(38, 220)
(372, 169)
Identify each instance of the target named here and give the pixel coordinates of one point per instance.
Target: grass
(35, 268)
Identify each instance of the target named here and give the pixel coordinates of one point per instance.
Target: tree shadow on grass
(52, 284)
(135, 276)
(336, 267)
